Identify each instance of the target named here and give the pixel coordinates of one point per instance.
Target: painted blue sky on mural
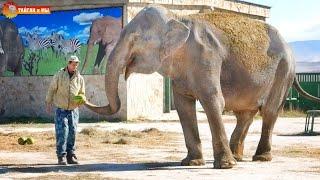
(70, 23)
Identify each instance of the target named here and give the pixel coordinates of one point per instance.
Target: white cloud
(35, 30)
(63, 33)
(43, 31)
(300, 30)
(39, 30)
(23, 30)
(86, 18)
(86, 30)
(64, 27)
(83, 35)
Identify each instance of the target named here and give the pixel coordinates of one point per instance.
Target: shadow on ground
(302, 134)
(46, 168)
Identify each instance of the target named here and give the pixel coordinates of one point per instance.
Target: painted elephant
(106, 32)
(206, 64)
(11, 48)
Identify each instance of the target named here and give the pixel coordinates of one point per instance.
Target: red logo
(11, 9)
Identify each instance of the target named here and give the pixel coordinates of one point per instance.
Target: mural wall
(35, 45)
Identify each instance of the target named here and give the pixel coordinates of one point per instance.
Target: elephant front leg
(213, 104)
(185, 106)
(99, 60)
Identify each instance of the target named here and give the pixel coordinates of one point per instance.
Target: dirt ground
(153, 150)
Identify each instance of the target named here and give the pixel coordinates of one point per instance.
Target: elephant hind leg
(187, 113)
(18, 69)
(263, 152)
(269, 117)
(244, 120)
(270, 110)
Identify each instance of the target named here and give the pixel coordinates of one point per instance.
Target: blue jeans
(66, 128)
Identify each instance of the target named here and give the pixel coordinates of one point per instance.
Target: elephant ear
(176, 35)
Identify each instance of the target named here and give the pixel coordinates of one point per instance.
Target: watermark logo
(11, 9)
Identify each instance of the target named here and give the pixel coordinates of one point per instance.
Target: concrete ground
(294, 156)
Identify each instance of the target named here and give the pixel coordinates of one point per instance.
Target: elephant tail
(306, 95)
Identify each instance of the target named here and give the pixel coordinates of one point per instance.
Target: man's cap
(73, 59)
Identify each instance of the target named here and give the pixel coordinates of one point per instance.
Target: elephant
(11, 48)
(106, 32)
(203, 65)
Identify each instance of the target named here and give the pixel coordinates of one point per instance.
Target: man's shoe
(72, 159)
(62, 160)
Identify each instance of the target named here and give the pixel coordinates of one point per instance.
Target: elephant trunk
(89, 52)
(116, 63)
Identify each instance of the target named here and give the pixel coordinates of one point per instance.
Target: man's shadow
(45, 168)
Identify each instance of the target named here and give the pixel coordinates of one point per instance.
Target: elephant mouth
(128, 67)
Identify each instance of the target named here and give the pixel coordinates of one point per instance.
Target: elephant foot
(237, 151)
(237, 157)
(192, 162)
(262, 157)
(224, 163)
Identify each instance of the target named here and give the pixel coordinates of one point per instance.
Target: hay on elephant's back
(248, 38)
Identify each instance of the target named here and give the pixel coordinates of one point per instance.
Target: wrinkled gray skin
(11, 48)
(106, 32)
(202, 67)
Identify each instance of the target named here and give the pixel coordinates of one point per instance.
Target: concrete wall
(252, 9)
(145, 96)
(25, 96)
(255, 10)
(142, 96)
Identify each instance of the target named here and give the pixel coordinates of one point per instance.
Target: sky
(297, 20)
(70, 24)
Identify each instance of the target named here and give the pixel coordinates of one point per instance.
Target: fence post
(167, 95)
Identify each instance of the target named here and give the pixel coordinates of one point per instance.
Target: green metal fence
(310, 82)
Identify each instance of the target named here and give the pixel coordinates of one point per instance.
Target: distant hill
(307, 54)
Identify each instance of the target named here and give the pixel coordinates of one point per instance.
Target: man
(65, 85)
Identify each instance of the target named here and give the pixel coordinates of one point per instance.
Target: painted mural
(36, 45)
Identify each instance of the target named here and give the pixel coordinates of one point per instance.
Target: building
(142, 96)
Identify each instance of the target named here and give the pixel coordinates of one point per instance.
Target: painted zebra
(37, 43)
(55, 38)
(68, 46)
